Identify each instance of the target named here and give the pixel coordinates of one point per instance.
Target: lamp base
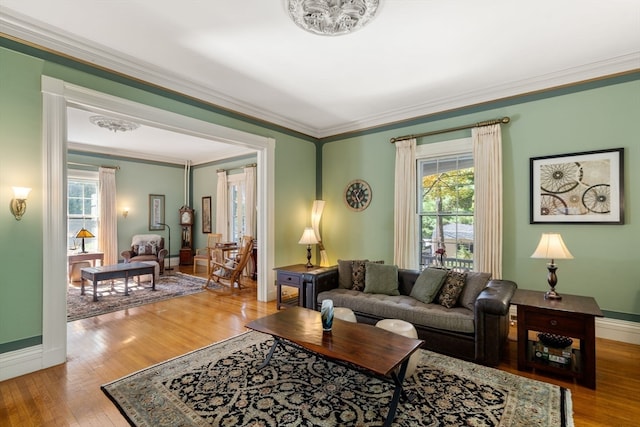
(552, 294)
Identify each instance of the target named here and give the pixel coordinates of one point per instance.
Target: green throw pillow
(428, 284)
(381, 279)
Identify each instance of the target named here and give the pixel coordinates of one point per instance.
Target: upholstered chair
(146, 247)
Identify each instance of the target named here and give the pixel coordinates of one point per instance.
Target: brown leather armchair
(146, 247)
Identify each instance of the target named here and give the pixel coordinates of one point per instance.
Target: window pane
(446, 210)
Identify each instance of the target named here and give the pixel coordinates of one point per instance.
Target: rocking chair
(230, 273)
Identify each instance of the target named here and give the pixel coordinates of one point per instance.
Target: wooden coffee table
(366, 346)
(117, 271)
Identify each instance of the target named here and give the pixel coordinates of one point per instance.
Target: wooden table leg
(126, 284)
(95, 289)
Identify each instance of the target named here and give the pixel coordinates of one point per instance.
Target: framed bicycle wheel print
(584, 188)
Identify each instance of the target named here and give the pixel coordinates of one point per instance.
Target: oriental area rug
(221, 385)
(111, 296)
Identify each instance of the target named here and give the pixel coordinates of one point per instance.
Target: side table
(306, 280)
(572, 316)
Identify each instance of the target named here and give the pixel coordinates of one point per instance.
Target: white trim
(20, 362)
(451, 147)
(618, 330)
(57, 96)
(23, 28)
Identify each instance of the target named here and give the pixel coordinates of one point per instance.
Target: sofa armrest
(127, 255)
(162, 254)
(495, 298)
(491, 312)
(319, 282)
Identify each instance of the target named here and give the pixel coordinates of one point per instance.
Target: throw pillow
(344, 273)
(428, 284)
(358, 271)
(381, 279)
(476, 282)
(452, 288)
(358, 274)
(143, 250)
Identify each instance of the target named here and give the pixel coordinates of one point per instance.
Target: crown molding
(547, 82)
(41, 35)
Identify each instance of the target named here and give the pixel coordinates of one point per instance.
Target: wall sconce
(18, 204)
(125, 212)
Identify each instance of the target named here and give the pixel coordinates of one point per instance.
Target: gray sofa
(475, 329)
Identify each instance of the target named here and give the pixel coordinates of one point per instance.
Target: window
(446, 203)
(82, 208)
(236, 194)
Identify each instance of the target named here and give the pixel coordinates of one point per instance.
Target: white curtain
(487, 157)
(222, 206)
(108, 225)
(405, 248)
(250, 200)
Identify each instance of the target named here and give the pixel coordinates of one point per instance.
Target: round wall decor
(357, 195)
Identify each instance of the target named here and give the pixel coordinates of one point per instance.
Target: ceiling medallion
(332, 17)
(113, 124)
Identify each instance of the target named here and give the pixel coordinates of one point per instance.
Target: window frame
(86, 176)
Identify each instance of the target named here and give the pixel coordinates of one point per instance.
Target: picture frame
(584, 188)
(156, 212)
(206, 214)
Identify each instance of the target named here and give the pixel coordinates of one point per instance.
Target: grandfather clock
(186, 224)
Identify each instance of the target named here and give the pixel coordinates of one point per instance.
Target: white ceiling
(416, 57)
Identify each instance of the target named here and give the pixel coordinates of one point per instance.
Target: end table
(572, 316)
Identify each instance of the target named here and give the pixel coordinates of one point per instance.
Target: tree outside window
(446, 207)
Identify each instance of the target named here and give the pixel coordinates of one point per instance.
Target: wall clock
(357, 195)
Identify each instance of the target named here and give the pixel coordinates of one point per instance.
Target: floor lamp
(169, 251)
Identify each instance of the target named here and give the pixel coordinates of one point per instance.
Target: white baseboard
(607, 328)
(20, 362)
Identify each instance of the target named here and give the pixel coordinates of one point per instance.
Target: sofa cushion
(403, 307)
(475, 283)
(381, 279)
(452, 288)
(428, 284)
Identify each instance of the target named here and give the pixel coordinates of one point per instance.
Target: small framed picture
(156, 211)
(206, 214)
(585, 188)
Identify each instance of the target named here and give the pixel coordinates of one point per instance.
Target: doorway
(57, 97)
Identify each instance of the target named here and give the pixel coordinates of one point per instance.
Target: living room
(597, 114)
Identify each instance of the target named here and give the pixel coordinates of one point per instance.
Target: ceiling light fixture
(332, 17)
(113, 124)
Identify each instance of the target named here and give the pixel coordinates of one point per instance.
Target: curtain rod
(250, 165)
(93, 166)
(436, 132)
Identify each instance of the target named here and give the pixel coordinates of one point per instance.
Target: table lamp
(82, 234)
(551, 246)
(308, 238)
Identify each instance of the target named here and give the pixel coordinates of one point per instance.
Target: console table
(572, 316)
(72, 258)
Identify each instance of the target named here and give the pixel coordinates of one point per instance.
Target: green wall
(135, 181)
(21, 165)
(606, 261)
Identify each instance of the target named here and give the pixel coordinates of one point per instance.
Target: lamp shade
(84, 233)
(551, 246)
(21, 193)
(308, 237)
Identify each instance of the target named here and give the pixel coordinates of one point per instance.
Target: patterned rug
(220, 385)
(111, 298)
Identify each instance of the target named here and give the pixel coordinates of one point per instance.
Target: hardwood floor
(104, 348)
